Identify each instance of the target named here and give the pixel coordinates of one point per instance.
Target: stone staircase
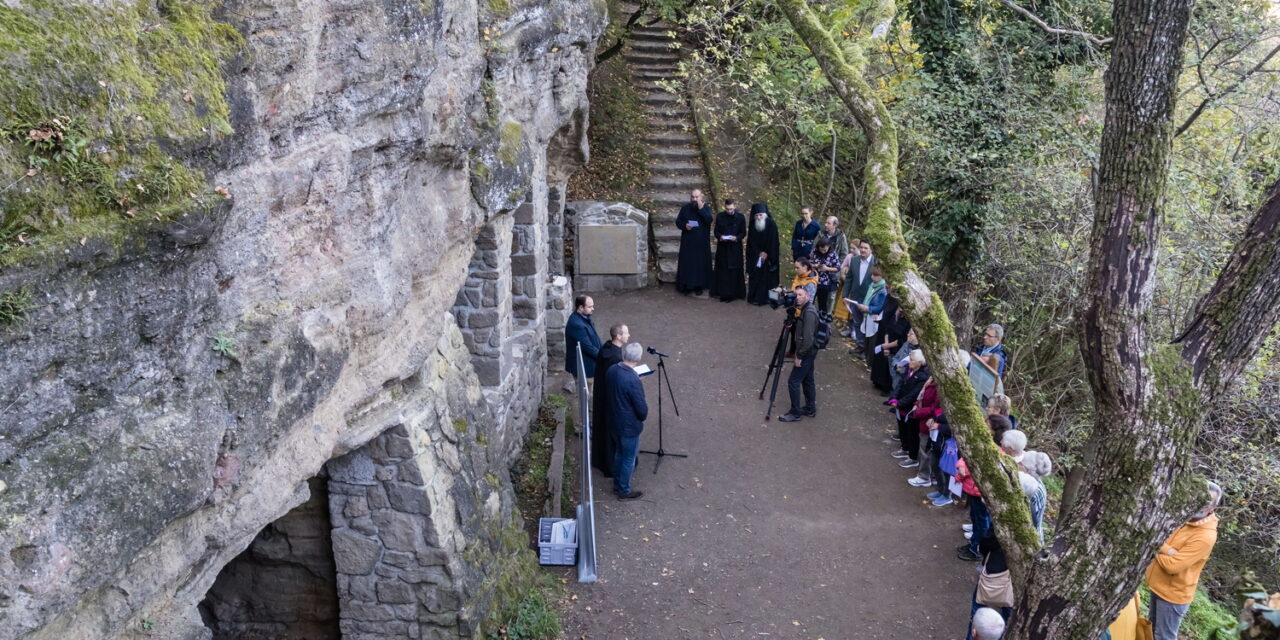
(676, 162)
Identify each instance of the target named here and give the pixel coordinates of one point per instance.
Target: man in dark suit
(579, 330)
(856, 282)
(627, 412)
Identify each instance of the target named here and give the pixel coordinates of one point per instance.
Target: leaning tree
(1149, 397)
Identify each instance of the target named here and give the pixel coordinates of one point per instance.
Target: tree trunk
(1137, 489)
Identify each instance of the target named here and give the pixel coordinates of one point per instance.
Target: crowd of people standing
(831, 270)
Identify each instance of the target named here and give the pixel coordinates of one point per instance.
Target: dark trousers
(624, 463)
(940, 479)
(981, 519)
(803, 376)
(824, 298)
(909, 436)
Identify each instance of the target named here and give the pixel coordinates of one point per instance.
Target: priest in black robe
(730, 230)
(604, 438)
(762, 255)
(892, 330)
(693, 273)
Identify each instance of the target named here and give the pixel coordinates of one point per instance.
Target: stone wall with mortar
(376, 146)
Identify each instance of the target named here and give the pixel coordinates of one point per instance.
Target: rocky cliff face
(369, 306)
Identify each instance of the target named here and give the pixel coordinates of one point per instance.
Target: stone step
(652, 66)
(665, 232)
(652, 57)
(667, 271)
(667, 123)
(656, 46)
(659, 139)
(683, 183)
(652, 31)
(660, 98)
(671, 167)
(676, 153)
(668, 249)
(675, 110)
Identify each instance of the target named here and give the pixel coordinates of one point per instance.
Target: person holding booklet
(730, 230)
(693, 271)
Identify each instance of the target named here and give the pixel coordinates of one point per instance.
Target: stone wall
(175, 389)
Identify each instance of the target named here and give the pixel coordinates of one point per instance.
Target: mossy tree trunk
(998, 473)
(1149, 397)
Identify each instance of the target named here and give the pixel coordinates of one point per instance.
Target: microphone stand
(661, 452)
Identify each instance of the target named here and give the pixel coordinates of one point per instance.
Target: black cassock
(604, 441)
(764, 277)
(893, 327)
(726, 282)
(694, 270)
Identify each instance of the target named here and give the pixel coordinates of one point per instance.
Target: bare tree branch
(1214, 97)
(1095, 40)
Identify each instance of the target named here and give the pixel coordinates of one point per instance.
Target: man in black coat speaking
(627, 412)
(604, 438)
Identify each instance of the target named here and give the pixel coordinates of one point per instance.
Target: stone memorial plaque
(604, 249)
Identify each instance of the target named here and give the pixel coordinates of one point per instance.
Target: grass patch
(530, 472)
(1205, 620)
(14, 306)
(535, 618)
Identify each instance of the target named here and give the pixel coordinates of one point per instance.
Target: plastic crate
(551, 554)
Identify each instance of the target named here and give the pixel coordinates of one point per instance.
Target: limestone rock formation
(368, 306)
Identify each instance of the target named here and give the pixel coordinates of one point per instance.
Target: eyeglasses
(990, 335)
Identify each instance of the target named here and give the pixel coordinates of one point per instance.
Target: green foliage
(1208, 620)
(94, 102)
(535, 619)
(14, 305)
(224, 346)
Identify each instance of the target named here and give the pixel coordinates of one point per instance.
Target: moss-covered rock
(100, 107)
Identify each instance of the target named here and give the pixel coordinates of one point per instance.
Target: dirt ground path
(768, 530)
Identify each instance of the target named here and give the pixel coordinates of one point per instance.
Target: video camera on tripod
(780, 297)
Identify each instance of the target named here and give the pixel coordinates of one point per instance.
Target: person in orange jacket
(1173, 575)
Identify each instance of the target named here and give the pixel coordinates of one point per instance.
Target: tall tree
(1149, 397)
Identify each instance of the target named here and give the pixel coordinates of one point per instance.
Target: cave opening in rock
(283, 586)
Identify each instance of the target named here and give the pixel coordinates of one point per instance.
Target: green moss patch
(96, 104)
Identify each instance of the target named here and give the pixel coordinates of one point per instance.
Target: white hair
(1015, 441)
(998, 329)
(632, 352)
(917, 356)
(987, 624)
(1037, 463)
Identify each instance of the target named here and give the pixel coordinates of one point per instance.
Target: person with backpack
(802, 375)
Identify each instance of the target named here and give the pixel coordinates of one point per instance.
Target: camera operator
(802, 375)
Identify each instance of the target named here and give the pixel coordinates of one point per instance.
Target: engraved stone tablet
(607, 249)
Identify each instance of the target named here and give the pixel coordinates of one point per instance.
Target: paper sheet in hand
(642, 370)
(729, 238)
(849, 305)
(759, 262)
(693, 223)
(955, 487)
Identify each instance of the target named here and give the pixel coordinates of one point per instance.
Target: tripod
(663, 377)
(776, 363)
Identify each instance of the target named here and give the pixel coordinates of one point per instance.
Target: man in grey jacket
(802, 375)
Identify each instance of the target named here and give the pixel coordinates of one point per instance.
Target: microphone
(658, 353)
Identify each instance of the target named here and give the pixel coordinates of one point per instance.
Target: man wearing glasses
(992, 345)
